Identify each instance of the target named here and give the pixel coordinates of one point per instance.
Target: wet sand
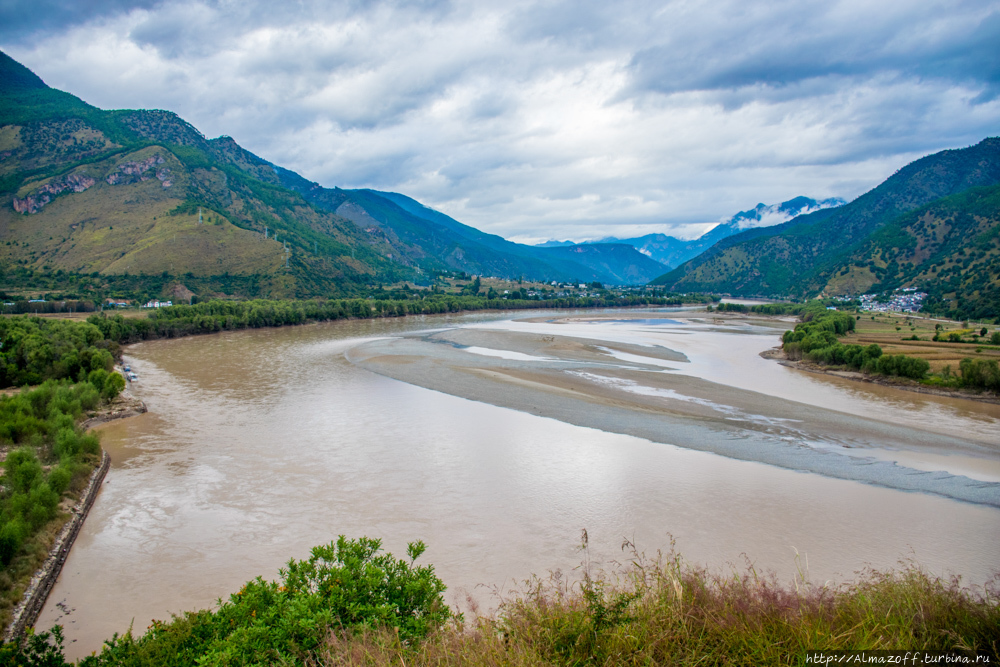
(648, 391)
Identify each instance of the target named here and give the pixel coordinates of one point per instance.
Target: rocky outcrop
(164, 176)
(34, 202)
(134, 172)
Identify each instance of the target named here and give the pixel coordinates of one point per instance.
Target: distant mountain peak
(673, 251)
(763, 215)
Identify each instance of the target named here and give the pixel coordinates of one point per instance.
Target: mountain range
(933, 225)
(672, 251)
(118, 196)
(142, 192)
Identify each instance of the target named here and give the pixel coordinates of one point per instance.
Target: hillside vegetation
(433, 241)
(351, 604)
(932, 213)
(142, 192)
(87, 191)
(949, 249)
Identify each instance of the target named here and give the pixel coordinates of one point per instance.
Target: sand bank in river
(643, 390)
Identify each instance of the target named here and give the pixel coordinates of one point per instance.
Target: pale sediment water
(261, 444)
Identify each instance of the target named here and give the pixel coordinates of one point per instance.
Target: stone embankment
(25, 614)
(41, 584)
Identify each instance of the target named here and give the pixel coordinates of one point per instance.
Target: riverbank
(778, 355)
(25, 613)
(124, 406)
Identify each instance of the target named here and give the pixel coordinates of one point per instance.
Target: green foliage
(113, 385)
(660, 612)
(39, 428)
(347, 585)
(217, 315)
(44, 649)
(980, 374)
(763, 308)
(816, 340)
(40, 425)
(33, 349)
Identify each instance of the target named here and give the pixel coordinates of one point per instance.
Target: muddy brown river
(261, 444)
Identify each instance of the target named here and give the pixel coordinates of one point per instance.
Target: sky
(546, 119)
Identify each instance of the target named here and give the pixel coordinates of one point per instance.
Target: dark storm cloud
(775, 49)
(21, 21)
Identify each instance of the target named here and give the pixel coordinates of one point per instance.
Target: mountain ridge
(672, 251)
(800, 257)
(126, 191)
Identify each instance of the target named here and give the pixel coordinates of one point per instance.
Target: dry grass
(666, 612)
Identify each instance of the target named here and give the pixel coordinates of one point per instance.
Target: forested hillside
(949, 249)
(139, 192)
(431, 240)
(808, 255)
(143, 193)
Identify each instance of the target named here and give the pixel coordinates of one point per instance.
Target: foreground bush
(669, 613)
(346, 585)
(350, 605)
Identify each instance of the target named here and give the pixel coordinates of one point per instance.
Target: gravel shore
(643, 391)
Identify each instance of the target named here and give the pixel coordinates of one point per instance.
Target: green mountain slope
(800, 258)
(949, 249)
(430, 240)
(143, 192)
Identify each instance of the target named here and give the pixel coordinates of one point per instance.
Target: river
(261, 444)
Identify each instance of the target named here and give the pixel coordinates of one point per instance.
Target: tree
(113, 385)
(344, 586)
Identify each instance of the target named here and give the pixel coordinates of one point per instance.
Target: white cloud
(554, 120)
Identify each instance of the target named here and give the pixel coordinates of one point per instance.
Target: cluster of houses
(906, 300)
(125, 303)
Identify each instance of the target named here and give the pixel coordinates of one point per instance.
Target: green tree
(113, 385)
(346, 585)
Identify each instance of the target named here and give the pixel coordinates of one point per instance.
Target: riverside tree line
(211, 316)
(816, 339)
(47, 454)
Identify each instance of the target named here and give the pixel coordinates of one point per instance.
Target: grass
(127, 229)
(645, 611)
(666, 612)
(882, 330)
(15, 578)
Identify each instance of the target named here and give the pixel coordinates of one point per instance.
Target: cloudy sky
(550, 119)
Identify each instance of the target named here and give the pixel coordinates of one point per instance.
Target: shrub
(980, 374)
(113, 385)
(347, 585)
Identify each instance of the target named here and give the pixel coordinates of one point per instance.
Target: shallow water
(261, 444)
